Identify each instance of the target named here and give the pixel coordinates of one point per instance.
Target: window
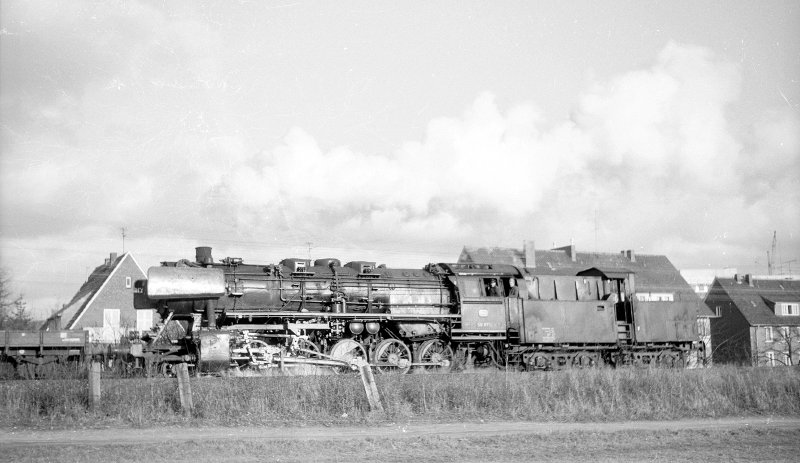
(144, 320)
(492, 287)
(111, 318)
(701, 288)
(127, 282)
(768, 334)
(471, 288)
(790, 308)
(703, 329)
(786, 359)
(771, 359)
(654, 297)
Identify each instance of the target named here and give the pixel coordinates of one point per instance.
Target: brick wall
(114, 295)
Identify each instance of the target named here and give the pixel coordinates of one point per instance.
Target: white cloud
(651, 153)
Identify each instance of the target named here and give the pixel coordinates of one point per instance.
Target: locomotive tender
(239, 315)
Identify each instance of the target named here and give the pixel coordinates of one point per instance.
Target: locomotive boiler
(233, 314)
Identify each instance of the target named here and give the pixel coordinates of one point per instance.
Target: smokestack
(529, 254)
(203, 255)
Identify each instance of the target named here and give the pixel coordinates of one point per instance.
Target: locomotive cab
(618, 287)
(489, 296)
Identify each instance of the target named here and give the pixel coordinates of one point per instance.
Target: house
(656, 279)
(759, 319)
(103, 305)
(701, 279)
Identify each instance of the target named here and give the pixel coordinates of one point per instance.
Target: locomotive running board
(478, 338)
(357, 316)
(461, 334)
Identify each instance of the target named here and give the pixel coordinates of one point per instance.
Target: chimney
(203, 255)
(529, 254)
(630, 254)
(748, 278)
(570, 252)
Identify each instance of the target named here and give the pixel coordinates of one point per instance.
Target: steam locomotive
(235, 315)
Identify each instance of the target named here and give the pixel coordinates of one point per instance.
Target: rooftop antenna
(595, 230)
(771, 254)
(309, 243)
(783, 272)
(124, 234)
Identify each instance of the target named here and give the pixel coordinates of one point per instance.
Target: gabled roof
(756, 302)
(609, 273)
(89, 290)
(652, 273)
(492, 255)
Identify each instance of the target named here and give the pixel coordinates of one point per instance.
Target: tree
(13, 310)
(783, 348)
(730, 342)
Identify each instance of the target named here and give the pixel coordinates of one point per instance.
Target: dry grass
(580, 395)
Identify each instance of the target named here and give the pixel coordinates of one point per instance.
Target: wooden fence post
(369, 386)
(94, 385)
(185, 389)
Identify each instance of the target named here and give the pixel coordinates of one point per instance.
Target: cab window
(493, 287)
(471, 288)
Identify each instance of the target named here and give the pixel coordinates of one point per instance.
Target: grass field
(575, 395)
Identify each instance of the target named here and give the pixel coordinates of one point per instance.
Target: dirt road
(100, 437)
(730, 439)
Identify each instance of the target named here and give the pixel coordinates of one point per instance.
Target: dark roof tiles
(70, 312)
(756, 302)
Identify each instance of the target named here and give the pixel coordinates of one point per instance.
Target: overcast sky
(394, 131)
